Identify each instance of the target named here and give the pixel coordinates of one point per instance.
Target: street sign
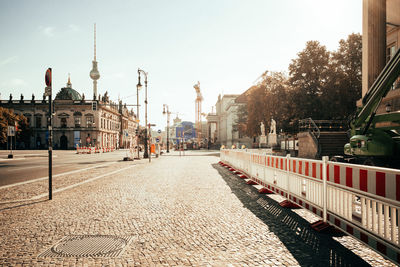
(11, 131)
(47, 77)
(47, 91)
(159, 131)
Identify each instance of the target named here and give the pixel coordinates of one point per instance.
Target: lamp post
(139, 85)
(168, 113)
(137, 119)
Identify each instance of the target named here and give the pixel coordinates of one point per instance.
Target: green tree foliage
(268, 100)
(309, 74)
(344, 86)
(241, 120)
(9, 118)
(321, 85)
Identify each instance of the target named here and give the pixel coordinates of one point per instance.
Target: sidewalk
(174, 211)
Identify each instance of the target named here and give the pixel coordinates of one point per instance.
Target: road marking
(12, 159)
(60, 174)
(19, 168)
(68, 187)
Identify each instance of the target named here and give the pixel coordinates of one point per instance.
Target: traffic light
(94, 105)
(137, 131)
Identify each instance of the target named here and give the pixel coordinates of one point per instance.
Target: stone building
(222, 126)
(76, 121)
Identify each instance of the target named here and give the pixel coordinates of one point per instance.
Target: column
(373, 41)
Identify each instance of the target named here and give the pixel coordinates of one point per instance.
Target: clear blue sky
(224, 44)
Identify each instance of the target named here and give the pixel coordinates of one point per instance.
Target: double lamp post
(168, 113)
(138, 87)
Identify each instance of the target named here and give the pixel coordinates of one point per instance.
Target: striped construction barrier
(362, 201)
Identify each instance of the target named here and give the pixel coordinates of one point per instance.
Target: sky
(224, 44)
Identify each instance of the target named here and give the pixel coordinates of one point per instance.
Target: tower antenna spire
(95, 42)
(94, 73)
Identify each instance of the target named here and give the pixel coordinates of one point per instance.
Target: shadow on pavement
(307, 246)
(16, 205)
(216, 154)
(91, 162)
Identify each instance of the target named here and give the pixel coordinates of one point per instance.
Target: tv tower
(94, 73)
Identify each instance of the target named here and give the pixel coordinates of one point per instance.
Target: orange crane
(198, 101)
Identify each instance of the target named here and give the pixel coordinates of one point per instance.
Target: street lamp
(139, 85)
(168, 113)
(137, 118)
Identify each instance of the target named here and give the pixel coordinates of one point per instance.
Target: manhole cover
(88, 246)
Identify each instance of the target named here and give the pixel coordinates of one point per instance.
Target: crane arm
(376, 93)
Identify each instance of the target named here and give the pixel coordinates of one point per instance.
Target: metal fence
(363, 201)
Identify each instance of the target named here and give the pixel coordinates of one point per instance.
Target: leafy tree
(241, 120)
(9, 118)
(321, 85)
(344, 86)
(24, 131)
(308, 77)
(271, 94)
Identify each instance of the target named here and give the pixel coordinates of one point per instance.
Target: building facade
(76, 121)
(222, 125)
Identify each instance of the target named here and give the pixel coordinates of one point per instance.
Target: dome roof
(67, 93)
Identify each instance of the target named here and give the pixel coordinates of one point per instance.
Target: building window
(391, 50)
(38, 122)
(77, 121)
(63, 122)
(89, 121)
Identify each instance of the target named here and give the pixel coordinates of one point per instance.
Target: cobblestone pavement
(179, 211)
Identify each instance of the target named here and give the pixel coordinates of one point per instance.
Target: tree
(241, 120)
(321, 85)
(269, 100)
(308, 77)
(344, 86)
(9, 118)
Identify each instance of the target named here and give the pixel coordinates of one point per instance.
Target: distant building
(76, 121)
(184, 131)
(222, 125)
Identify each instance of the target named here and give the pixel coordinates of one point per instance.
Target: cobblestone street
(178, 211)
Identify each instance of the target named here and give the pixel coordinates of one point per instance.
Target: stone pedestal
(272, 139)
(263, 141)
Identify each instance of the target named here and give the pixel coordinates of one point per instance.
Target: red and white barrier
(363, 201)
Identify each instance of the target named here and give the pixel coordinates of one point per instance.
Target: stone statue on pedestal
(273, 126)
(262, 127)
(272, 137)
(263, 138)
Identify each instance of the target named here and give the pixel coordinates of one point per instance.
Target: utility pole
(48, 92)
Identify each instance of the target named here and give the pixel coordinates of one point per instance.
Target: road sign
(11, 131)
(157, 140)
(47, 77)
(47, 91)
(159, 131)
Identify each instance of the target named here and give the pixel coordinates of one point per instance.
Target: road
(32, 164)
